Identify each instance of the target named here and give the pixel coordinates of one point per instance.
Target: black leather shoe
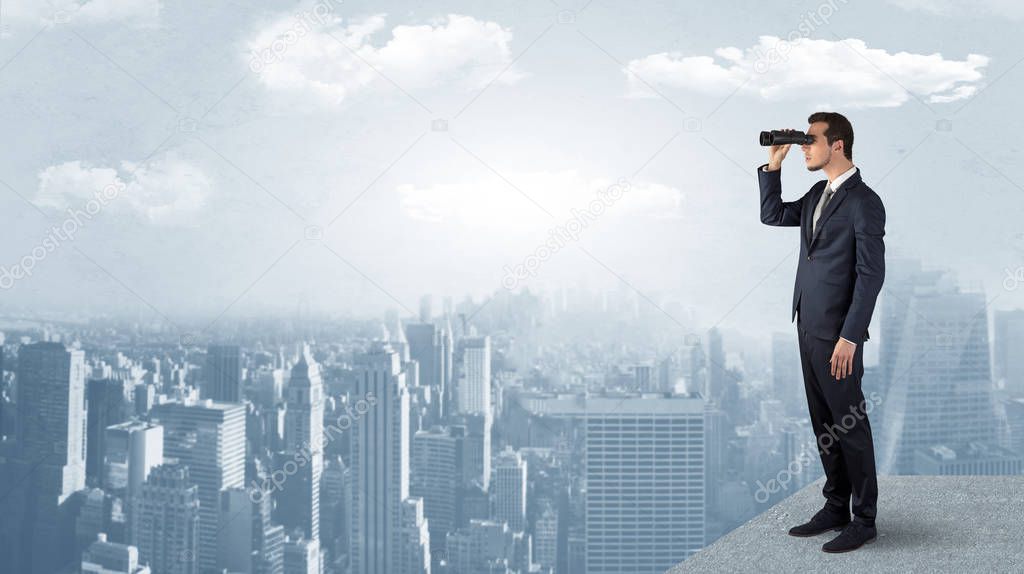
(824, 520)
(855, 535)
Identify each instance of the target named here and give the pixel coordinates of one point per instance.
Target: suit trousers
(839, 417)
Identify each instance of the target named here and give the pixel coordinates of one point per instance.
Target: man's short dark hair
(839, 129)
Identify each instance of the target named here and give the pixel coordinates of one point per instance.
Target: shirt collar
(834, 184)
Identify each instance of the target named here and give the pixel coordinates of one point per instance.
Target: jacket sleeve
(774, 211)
(869, 229)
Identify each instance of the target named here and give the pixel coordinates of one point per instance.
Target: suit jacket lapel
(809, 216)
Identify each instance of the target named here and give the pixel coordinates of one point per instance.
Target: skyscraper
(436, 476)
(209, 438)
(644, 461)
(447, 366)
(106, 405)
(268, 538)
(167, 525)
(380, 462)
(303, 437)
(131, 449)
(545, 538)
(415, 539)
(223, 374)
(643, 377)
(787, 376)
(508, 489)
(476, 463)
(36, 525)
(474, 393)
(1009, 338)
(426, 347)
(301, 556)
(718, 377)
(940, 390)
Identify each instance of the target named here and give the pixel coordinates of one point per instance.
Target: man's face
(818, 154)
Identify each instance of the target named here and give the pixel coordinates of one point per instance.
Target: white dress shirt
(835, 183)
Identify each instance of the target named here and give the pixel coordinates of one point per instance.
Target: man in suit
(839, 275)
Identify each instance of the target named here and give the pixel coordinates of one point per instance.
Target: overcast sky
(352, 156)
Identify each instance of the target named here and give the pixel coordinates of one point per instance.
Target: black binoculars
(781, 137)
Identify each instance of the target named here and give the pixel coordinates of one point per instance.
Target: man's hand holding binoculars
(777, 153)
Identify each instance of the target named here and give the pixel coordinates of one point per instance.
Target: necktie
(821, 206)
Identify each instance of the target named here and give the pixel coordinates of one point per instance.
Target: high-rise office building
(106, 403)
(248, 540)
(52, 414)
(415, 539)
(209, 438)
(426, 308)
(301, 555)
(1008, 339)
(130, 450)
(1013, 408)
(334, 507)
(787, 374)
(940, 387)
(508, 489)
(975, 459)
(269, 386)
(474, 393)
(222, 375)
(380, 462)
(236, 548)
(657, 441)
(718, 376)
(303, 438)
(48, 462)
(476, 458)
(436, 476)
(447, 366)
(545, 538)
(432, 349)
(95, 516)
(268, 537)
(166, 528)
(903, 278)
(643, 378)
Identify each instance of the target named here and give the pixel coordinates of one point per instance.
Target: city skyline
(354, 287)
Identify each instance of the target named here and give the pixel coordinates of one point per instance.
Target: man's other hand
(842, 359)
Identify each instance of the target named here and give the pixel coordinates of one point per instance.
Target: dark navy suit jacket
(842, 266)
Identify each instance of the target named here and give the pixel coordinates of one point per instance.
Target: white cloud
(313, 53)
(497, 205)
(167, 190)
(140, 12)
(844, 73)
(1013, 9)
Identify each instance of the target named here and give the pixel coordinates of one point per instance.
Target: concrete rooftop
(925, 524)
